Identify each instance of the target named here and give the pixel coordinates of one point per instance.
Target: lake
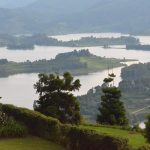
(18, 89)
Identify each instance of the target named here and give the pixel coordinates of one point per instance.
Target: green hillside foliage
(73, 137)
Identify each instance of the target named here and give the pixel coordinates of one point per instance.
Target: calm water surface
(18, 89)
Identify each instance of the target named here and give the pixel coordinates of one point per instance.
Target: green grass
(29, 143)
(136, 140)
(95, 63)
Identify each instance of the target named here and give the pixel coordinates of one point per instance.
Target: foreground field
(29, 143)
(135, 139)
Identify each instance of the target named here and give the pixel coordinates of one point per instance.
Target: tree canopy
(112, 110)
(56, 99)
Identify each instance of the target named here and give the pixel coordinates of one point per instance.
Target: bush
(10, 128)
(36, 123)
(81, 139)
(13, 129)
(144, 148)
(73, 137)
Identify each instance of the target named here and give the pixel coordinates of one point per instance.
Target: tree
(147, 129)
(56, 99)
(112, 110)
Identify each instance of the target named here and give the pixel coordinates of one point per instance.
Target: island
(77, 62)
(28, 42)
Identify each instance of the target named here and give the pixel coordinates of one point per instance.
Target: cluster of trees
(56, 100)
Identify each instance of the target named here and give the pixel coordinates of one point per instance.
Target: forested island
(77, 62)
(138, 47)
(28, 42)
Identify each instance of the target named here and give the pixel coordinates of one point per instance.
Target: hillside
(81, 137)
(135, 89)
(78, 16)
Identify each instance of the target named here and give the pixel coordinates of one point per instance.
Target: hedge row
(73, 137)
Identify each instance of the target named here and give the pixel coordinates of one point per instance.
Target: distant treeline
(25, 42)
(138, 47)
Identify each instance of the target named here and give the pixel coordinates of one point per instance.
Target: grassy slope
(135, 139)
(95, 63)
(29, 143)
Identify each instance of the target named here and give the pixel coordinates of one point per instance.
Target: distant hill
(70, 16)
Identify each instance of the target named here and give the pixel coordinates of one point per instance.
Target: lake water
(18, 89)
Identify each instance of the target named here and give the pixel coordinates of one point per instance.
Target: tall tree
(56, 99)
(112, 110)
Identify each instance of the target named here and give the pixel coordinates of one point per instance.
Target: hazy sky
(14, 3)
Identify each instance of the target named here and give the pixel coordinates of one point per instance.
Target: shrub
(81, 139)
(13, 129)
(10, 128)
(37, 124)
(144, 148)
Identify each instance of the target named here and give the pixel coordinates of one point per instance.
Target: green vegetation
(135, 89)
(56, 99)
(76, 62)
(136, 139)
(28, 143)
(112, 109)
(11, 128)
(28, 42)
(73, 137)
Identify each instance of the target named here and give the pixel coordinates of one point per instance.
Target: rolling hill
(70, 16)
